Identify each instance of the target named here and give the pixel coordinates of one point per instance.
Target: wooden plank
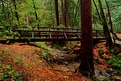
(50, 36)
(79, 36)
(47, 31)
(65, 36)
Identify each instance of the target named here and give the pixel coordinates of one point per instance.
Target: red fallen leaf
(38, 69)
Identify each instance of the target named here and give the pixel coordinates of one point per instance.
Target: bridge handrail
(46, 27)
(66, 31)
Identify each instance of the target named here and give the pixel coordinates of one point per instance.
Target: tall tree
(86, 67)
(62, 10)
(56, 13)
(110, 19)
(2, 8)
(67, 14)
(105, 25)
(35, 9)
(16, 13)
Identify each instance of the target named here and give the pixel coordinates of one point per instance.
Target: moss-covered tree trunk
(105, 25)
(16, 13)
(3, 11)
(36, 16)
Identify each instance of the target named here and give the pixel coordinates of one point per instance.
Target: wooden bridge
(52, 34)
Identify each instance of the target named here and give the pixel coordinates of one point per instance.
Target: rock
(116, 78)
(114, 72)
(104, 73)
(65, 63)
(101, 77)
(109, 70)
(68, 69)
(97, 73)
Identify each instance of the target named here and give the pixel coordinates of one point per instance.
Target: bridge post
(96, 33)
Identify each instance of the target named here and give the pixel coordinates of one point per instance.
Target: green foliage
(46, 51)
(27, 65)
(115, 51)
(106, 79)
(95, 79)
(46, 56)
(6, 52)
(18, 60)
(7, 72)
(74, 13)
(115, 6)
(115, 62)
(26, 15)
(42, 45)
(46, 15)
(100, 52)
(61, 26)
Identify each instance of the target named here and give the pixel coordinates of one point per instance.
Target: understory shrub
(46, 52)
(115, 62)
(100, 52)
(115, 51)
(8, 72)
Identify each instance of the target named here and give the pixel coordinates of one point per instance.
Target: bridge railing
(45, 32)
(56, 33)
(61, 29)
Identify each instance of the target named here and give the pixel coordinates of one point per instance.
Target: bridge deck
(47, 34)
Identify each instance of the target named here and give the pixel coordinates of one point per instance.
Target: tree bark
(105, 26)
(16, 13)
(35, 10)
(110, 20)
(67, 14)
(56, 13)
(2, 9)
(97, 11)
(62, 10)
(87, 66)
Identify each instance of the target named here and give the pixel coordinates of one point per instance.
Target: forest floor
(26, 60)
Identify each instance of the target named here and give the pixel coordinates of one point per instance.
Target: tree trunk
(105, 26)
(2, 9)
(110, 20)
(16, 13)
(27, 20)
(86, 67)
(97, 11)
(35, 10)
(76, 11)
(56, 13)
(67, 14)
(62, 10)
